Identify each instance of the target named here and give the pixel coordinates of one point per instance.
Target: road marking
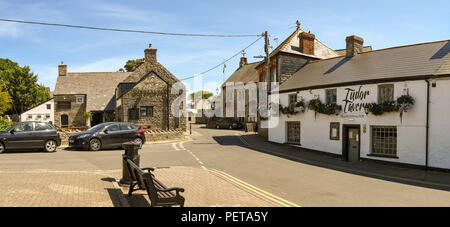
(190, 152)
(174, 145)
(369, 174)
(256, 190)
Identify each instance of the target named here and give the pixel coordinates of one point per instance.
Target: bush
(4, 123)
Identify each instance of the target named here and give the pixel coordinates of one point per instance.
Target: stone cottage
(78, 93)
(144, 97)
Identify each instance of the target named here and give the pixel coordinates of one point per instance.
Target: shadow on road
(383, 171)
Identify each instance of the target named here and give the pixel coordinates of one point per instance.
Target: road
(223, 150)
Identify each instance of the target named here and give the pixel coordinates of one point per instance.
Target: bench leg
(130, 191)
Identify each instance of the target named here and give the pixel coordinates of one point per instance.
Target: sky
(382, 24)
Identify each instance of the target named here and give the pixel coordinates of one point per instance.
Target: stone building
(145, 97)
(78, 93)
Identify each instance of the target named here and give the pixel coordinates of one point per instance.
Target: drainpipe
(427, 123)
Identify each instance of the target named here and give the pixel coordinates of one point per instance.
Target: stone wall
(75, 113)
(162, 135)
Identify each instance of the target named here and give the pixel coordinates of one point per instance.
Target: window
(331, 96)
(24, 127)
(125, 126)
(293, 132)
(385, 93)
(146, 111)
(113, 128)
(79, 99)
(42, 126)
(384, 140)
(49, 106)
(292, 100)
(63, 105)
(47, 116)
(133, 114)
(29, 117)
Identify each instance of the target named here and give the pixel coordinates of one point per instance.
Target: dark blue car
(30, 135)
(108, 135)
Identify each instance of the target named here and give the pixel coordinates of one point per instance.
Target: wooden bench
(158, 193)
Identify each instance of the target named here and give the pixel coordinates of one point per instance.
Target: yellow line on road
(256, 190)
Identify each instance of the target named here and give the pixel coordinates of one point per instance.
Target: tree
(5, 101)
(21, 85)
(132, 65)
(196, 96)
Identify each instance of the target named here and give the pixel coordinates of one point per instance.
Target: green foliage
(327, 109)
(4, 123)
(402, 104)
(196, 96)
(87, 115)
(5, 101)
(132, 65)
(21, 85)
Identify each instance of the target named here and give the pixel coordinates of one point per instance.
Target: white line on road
(174, 145)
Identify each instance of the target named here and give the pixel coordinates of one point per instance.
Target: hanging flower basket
(403, 104)
(328, 109)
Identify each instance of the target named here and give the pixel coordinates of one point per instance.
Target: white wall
(315, 129)
(439, 143)
(41, 111)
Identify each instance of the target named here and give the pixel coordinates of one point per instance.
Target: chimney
(307, 42)
(243, 62)
(150, 54)
(354, 45)
(62, 69)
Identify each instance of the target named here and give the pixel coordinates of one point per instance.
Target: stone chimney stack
(307, 42)
(150, 54)
(62, 69)
(243, 62)
(354, 45)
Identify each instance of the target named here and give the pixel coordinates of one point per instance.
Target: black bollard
(131, 152)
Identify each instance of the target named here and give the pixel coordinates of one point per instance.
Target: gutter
(427, 124)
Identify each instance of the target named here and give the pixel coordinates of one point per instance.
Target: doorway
(97, 118)
(351, 143)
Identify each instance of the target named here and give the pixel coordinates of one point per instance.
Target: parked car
(228, 123)
(30, 135)
(108, 135)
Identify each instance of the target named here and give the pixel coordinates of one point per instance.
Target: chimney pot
(307, 42)
(150, 54)
(243, 61)
(354, 45)
(62, 69)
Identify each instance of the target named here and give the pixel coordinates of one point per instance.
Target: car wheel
(95, 144)
(231, 127)
(2, 148)
(217, 127)
(50, 146)
(139, 141)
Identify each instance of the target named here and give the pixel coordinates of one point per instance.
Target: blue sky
(381, 23)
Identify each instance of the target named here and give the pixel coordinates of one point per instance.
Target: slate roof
(99, 88)
(246, 73)
(417, 60)
(291, 45)
(342, 52)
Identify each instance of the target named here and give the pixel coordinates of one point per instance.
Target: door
(42, 132)
(353, 144)
(21, 136)
(293, 132)
(112, 136)
(127, 132)
(64, 121)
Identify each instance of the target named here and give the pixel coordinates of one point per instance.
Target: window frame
(327, 96)
(79, 97)
(64, 107)
(387, 148)
(381, 98)
(147, 111)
